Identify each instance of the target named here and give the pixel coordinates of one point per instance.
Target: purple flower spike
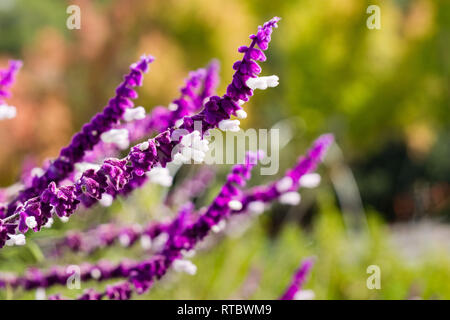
(7, 78)
(298, 279)
(89, 136)
(5, 230)
(291, 181)
(183, 238)
(142, 158)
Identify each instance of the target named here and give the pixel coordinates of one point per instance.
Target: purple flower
(142, 158)
(298, 280)
(7, 78)
(89, 136)
(291, 179)
(183, 233)
(5, 229)
(118, 292)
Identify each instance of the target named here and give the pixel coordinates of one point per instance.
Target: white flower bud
(106, 200)
(256, 207)
(310, 180)
(96, 273)
(16, 239)
(119, 137)
(146, 242)
(262, 83)
(219, 227)
(37, 172)
(49, 223)
(304, 295)
(229, 125)
(40, 294)
(31, 222)
(235, 205)
(172, 107)
(132, 114)
(7, 112)
(284, 184)
(144, 146)
(64, 219)
(241, 114)
(124, 240)
(181, 265)
(291, 198)
(160, 176)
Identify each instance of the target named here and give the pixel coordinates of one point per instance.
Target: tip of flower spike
(143, 63)
(274, 21)
(306, 264)
(15, 64)
(321, 146)
(214, 64)
(262, 37)
(326, 139)
(253, 157)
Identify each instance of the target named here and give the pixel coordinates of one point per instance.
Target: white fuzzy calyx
(262, 83)
(7, 112)
(290, 198)
(305, 295)
(160, 241)
(83, 166)
(219, 227)
(160, 176)
(64, 219)
(183, 265)
(144, 146)
(146, 242)
(284, 184)
(49, 223)
(40, 294)
(235, 205)
(192, 147)
(256, 207)
(106, 200)
(124, 240)
(96, 273)
(188, 253)
(310, 180)
(37, 172)
(172, 107)
(31, 222)
(230, 125)
(16, 240)
(119, 137)
(178, 123)
(132, 114)
(241, 114)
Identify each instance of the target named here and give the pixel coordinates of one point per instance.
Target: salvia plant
(89, 171)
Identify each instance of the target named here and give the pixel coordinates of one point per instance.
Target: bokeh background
(384, 94)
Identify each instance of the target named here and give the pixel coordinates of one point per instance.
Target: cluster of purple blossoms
(7, 78)
(175, 239)
(85, 173)
(85, 140)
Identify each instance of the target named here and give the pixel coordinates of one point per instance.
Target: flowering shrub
(89, 171)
